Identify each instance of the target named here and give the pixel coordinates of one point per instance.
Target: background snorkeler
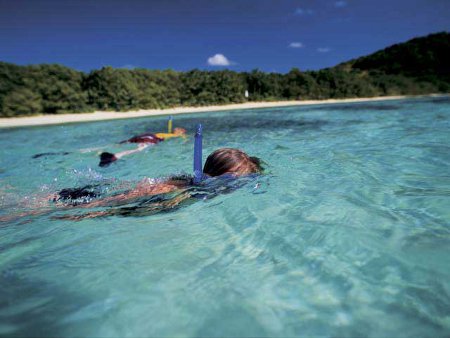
(143, 140)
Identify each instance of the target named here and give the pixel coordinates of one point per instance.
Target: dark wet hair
(233, 161)
(106, 159)
(76, 196)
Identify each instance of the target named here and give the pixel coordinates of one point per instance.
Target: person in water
(150, 196)
(156, 138)
(143, 140)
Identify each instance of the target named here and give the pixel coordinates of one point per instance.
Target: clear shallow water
(347, 235)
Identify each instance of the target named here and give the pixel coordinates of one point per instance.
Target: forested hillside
(419, 66)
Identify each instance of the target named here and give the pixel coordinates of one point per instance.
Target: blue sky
(214, 34)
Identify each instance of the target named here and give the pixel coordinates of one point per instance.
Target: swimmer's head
(179, 131)
(231, 161)
(106, 159)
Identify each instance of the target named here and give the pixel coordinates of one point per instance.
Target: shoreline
(42, 120)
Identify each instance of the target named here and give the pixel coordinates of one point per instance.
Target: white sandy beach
(110, 115)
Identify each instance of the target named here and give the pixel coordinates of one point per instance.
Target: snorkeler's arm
(144, 188)
(164, 205)
(141, 146)
(141, 190)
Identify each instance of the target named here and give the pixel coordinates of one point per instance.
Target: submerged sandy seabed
(109, 115)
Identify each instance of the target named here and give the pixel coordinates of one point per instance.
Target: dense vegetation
(419, 66)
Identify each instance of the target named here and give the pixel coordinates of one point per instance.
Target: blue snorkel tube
(198, 171)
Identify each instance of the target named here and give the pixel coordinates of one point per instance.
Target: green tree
(112, 89)
(59, 87)
(21, 102)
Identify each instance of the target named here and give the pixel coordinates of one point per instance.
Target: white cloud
(340, 4)
(129, 67)
(219, 60)
(303, 11)
(323, 49)
(296, 45)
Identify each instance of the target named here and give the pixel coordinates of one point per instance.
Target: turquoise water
(347, 234)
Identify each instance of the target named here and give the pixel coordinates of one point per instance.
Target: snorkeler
(143, 139)
(150, 196)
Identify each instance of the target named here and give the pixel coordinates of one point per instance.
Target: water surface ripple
(347, 234)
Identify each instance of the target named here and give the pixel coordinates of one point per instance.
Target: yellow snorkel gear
(169, 125)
